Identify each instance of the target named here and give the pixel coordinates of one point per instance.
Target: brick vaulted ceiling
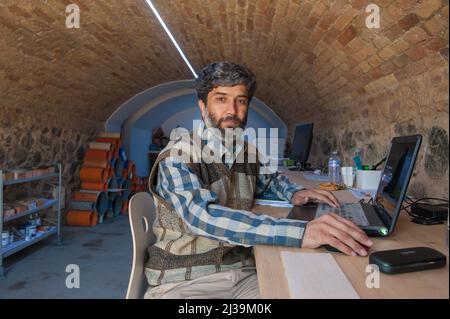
(118, 51)
(306, 54)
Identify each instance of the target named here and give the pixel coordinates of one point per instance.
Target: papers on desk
(316, 276)
(272, 202)
(315, 177)
(360, 193)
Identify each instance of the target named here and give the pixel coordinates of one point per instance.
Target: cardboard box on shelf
(19, 173)
(20, 208)
(8, 211)
(45, 228)
(30, 202)
(51, 170)
(41, 171)
(6, 176)
(41, 202)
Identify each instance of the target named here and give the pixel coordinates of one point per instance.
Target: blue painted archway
(170, 105)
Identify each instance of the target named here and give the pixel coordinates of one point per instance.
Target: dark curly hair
(224, 73)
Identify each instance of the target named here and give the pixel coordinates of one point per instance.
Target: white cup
(347, 175)
(368, 179)
(30, 232)
(5, 238)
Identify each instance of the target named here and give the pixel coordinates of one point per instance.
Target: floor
(103, 254)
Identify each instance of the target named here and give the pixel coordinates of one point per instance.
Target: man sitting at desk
(204, 228)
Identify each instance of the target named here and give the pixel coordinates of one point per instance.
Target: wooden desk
(422, 284)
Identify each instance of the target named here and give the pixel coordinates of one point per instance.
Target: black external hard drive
(403, 260)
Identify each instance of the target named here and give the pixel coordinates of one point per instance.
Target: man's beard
(212, 122)
(229, 134)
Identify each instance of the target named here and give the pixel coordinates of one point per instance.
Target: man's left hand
(304, 196)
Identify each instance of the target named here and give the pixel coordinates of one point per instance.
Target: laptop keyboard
(353, 212)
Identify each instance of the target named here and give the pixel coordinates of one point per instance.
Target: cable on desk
(421, 219)
(411, 202)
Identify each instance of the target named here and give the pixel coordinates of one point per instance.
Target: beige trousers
(231, 284)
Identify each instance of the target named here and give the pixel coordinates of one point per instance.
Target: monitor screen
(302, 142)
(396, 173)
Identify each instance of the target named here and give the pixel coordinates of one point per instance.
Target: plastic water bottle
(357, 164)
(334, 168)
(357, 159)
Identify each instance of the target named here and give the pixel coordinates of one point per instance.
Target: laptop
(379, 218)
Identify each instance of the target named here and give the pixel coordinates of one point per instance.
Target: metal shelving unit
(21, 244)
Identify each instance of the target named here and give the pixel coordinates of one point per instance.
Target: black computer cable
(409, 201)
(374, 167)
(421, 219)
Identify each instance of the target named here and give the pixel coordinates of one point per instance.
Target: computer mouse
(333, 249)
(310, 204)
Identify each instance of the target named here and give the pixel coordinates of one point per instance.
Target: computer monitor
(302, 143)
(396, 175)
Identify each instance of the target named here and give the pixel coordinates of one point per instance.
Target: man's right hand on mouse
(336, 231)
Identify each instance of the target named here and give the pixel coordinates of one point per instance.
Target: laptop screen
(397, 172)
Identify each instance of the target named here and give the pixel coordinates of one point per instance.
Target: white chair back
(142, 213)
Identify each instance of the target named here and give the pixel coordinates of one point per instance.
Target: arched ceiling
(118, 51)
(306, 54)
(309, 54)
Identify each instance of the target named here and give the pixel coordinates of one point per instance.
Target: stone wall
(414, 105)
(29, 139)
